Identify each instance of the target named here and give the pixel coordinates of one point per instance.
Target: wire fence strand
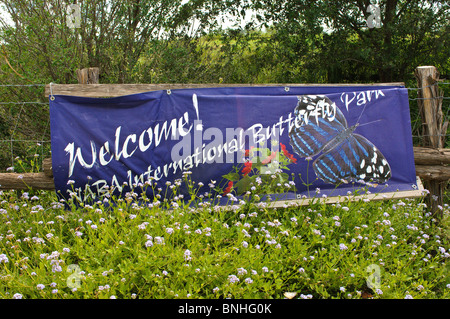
(24, 127)
(416, 121)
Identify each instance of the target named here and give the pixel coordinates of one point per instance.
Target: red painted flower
(247, 152)
(247, 168)
(287, 154)
(269, 158)
(228, 189)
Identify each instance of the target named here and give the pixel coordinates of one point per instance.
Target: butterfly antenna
(365, 104)
(370, 122)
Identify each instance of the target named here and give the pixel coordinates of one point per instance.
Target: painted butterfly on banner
(345, 156)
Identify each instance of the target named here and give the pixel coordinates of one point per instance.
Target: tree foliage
(348, 50)
(112, 36)
(303, 41)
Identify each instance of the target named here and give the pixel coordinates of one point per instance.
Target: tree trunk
(386, 71)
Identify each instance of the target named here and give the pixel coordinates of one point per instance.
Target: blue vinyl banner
(297, 141)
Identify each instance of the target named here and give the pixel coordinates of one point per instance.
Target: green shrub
(167, 249)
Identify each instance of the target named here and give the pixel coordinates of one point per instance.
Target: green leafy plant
(153, 248)
(263, 172)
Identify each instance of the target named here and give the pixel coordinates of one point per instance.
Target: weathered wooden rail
(431, 165)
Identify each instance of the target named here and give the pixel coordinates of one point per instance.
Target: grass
(355, 249)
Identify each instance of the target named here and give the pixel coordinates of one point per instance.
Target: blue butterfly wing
(317, 121)
(373, 167)
(318, 125)
(354, 159)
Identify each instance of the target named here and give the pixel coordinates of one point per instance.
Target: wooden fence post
(433, 130)
(88, 76)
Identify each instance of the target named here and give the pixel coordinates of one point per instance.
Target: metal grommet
(52, 98)
(169, 92)
(286, 89)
